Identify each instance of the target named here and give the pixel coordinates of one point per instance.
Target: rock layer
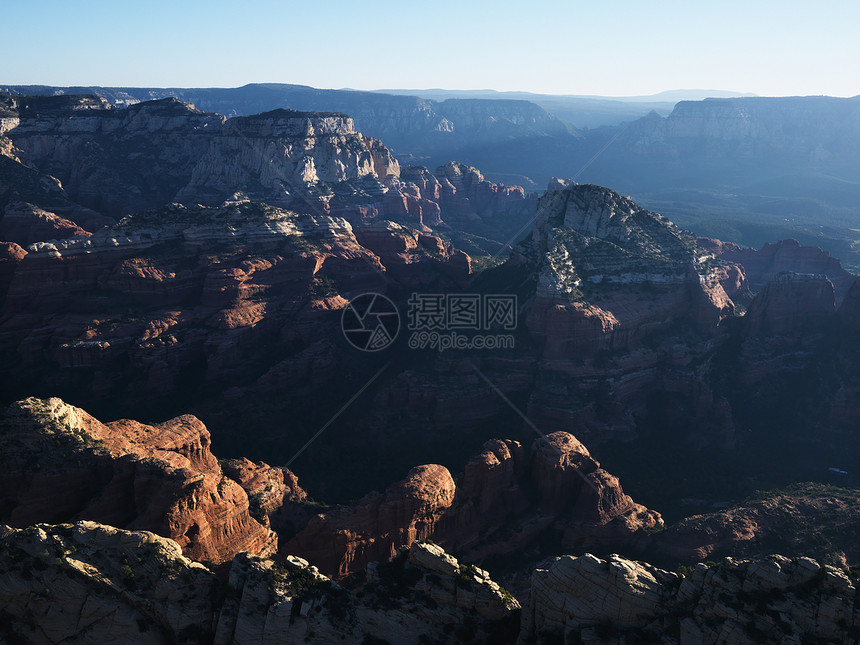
(766, 264)
(61, 464)
(771, 600)
(490, 510)
(156, 152)
(88, 581)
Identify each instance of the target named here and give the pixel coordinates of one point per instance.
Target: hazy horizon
(661, 96)
(621, 49)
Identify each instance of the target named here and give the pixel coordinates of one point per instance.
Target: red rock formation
(25, 223)
(490, 510)
(732, 279)
(412, 258)
(590, 502)
(572, 329)
(792, 305)
(560, 466)
(346, 539)
(10, 256)
(60, 464)
(268, 488)
(609, 273)
(458, 196)
(767, 263)
(151, 297)
(717, 247)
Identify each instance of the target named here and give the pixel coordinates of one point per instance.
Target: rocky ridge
(619, 296)
(412, 125)
(770, 600)
(589, 243)
(238, 272)
(816, 519)
(488, 511)
(163, 478)
(121, 160)
(89, 580)
(61, 464)
(68, 581)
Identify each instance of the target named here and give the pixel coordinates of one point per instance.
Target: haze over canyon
(283, 364)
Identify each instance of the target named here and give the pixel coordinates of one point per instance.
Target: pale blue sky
(614, 47)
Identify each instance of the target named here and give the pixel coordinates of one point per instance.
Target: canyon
(190, 270)
(201, 308)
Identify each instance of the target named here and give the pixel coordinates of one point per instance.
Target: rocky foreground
(87, 582)
(183, 512)
(59, 464)
(771, 600)
(100, 584)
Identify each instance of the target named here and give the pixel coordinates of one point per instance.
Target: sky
(610, 48)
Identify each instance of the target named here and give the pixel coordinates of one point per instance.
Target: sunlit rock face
(61, 464)
(282, 156)
(507, 500)
(121, 160)
(609, 273)
(113, 161)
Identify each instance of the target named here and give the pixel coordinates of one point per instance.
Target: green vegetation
(466, 575)
(304, 587)
(255, 507)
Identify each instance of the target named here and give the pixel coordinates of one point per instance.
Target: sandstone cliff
(61, 464)
(602, 263)
(285, 157)
(114, 161)
(457, 198)
(766, 264)
(121, 160)
(792, 305)
(33, 205)
(754, 127)
(506, 502)
(152, 153)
